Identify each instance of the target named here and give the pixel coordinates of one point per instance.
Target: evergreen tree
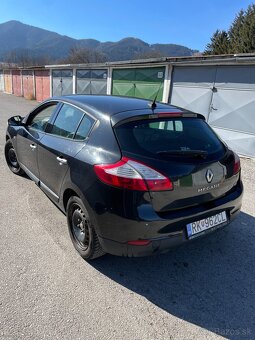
(240, 38)
(219, 43)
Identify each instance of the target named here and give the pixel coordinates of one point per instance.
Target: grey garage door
(225, 95)
(192, 88)
(62, 82)
(91, 81)
(1, 81)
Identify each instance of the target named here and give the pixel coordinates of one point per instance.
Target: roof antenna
(153, 104)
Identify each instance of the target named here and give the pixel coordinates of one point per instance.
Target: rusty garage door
(7, 81)
(17, 83)
(28, 84)
(42, 85)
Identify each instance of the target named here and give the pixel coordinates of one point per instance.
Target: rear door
(59, 147)
(187, 151)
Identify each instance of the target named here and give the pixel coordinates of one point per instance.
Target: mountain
(17, 39)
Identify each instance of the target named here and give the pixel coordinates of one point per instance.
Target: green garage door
(139, 82)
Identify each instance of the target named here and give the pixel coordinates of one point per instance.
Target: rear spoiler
(130, 116)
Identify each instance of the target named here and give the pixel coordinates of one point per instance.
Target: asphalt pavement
(203, 290)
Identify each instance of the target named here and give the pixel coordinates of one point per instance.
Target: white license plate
(197, 227)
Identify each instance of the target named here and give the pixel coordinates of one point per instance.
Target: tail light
(237, 165)
(130, 174)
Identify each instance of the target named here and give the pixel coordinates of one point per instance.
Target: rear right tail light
(237, 165)
(130, 174)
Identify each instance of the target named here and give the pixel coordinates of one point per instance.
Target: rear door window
(67, 121)
(169, 137)
(84, 128)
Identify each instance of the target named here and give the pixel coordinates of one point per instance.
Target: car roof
(110, 105)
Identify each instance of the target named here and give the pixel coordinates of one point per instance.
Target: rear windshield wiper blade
(189, 153)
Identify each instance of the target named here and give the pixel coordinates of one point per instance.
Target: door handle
(212, 108)
(32, 146)
(62, 160)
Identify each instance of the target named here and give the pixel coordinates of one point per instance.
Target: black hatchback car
(133, 177)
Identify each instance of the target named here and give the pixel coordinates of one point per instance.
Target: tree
(83, 55)
(240, 38)
(219, 44)
(235, 35)
(24, 57)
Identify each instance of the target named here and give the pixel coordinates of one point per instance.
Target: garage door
(17, 82)
(145, 83)
(91, 81)
(232, 110)
(62, 82)
(225, 95)
(1, 81)
(7, 82)
(28, 84)
(42, 85)
(192, 88)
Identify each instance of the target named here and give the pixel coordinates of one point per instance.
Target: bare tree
(83, 55)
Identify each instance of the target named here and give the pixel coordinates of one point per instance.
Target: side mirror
(15, 121)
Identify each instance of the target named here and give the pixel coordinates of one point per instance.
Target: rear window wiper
(189, 153)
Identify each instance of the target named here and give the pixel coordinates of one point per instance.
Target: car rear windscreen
(170, 137)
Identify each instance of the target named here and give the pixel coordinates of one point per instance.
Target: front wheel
(11, 158)
(82, 234)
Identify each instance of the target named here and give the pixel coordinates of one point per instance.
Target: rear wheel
(11, 158)
(82, 233)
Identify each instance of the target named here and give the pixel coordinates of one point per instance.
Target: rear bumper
(164, 233)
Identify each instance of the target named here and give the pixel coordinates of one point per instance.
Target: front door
(28, 138)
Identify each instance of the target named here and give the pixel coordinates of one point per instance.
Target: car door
(58, 147)
(28, 137)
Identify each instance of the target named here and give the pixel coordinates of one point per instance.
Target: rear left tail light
(130, 174)
(237, 165)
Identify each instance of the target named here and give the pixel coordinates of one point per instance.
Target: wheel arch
(67, 194)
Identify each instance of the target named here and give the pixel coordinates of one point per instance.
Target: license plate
(201, 226)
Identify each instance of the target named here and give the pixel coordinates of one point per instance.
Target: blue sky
(185, 22)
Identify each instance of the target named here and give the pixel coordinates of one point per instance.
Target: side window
(67, 121)
(40, 120)
(84, 128)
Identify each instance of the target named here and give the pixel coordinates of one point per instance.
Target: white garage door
(225, 95)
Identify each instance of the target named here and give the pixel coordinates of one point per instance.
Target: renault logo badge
(209, 175)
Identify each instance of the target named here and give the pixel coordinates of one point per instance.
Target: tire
(82, 233)
(11, 158)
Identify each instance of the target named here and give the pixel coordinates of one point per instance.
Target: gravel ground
(204, 290)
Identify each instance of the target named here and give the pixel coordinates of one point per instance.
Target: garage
(17, 83)
(192, 88)
(1, 81)
(62, 82)
(91, 81)
(7, 81)
(145, 83)
(28, 84)
(225, 95)
(42, 85)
